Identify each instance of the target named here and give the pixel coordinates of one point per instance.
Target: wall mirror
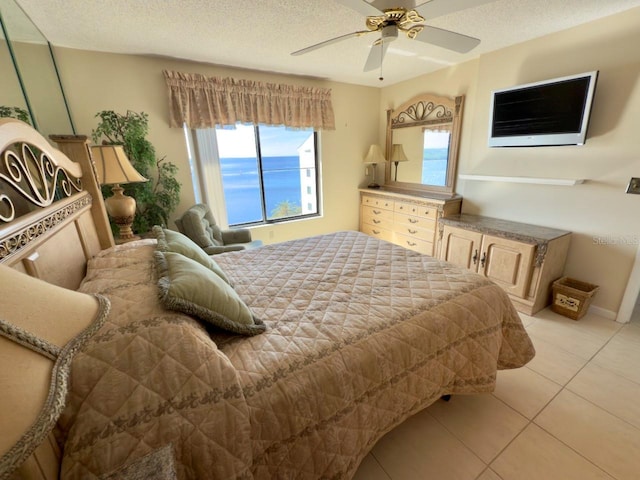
(29, 79)
(428, 128)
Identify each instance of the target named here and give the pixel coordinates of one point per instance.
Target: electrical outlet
(634, 186)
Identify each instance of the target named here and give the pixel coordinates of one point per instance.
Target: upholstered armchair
(199, 225)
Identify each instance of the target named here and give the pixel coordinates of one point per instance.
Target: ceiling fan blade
(438, 8)
(329, 42)
(361, 6)
(383, 5)
(376, 55)
(447, 39)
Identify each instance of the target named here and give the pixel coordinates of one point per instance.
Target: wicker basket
(571, 297)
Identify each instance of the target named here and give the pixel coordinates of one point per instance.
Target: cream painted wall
(100, 81)
(604, 220)
(10, 91)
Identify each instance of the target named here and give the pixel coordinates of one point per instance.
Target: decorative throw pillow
(170, 241)
(188, 287)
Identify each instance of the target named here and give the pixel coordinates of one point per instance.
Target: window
(268, 173)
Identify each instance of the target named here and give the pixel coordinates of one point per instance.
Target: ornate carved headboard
(52, 218)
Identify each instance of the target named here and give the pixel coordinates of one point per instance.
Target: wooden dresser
(404, 217)
(523, 259)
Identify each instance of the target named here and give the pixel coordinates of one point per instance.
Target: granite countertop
(521, 232)
(411, 193)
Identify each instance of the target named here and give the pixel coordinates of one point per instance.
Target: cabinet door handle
(376, 221)
(411, 220)
(475, 257)
(483, 259)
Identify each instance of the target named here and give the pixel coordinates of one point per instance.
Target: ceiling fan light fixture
(414, 31)
(375, 23)
(412, 16)
(409, 21)
(396, 15)
(389, 33)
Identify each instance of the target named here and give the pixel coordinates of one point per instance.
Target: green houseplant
(15, 112)
(157, 198)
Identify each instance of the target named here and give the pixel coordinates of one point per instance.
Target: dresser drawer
(378, 232)
(412, 243)
(414, 222)
(383, 203)
(377, 216)
(425, 211)
(415, 232)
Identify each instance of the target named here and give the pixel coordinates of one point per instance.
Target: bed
(360, 334)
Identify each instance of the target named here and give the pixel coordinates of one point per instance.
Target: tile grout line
(532, 420)
(563, 387)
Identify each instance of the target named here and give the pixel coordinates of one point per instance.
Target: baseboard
(603, 312)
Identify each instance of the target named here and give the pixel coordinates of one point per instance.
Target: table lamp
(373, 157)
(114, 168)
(397, 156)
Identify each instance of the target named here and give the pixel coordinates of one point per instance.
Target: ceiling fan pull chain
(381, 78)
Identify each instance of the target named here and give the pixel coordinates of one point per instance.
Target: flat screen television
(552, 112)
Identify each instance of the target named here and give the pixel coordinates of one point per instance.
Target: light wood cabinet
(405, 218)
(523, 259)
(508, 263)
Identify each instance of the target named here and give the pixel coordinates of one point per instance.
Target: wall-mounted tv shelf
(539, 181)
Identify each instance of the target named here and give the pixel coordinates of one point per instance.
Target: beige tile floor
(573, 412)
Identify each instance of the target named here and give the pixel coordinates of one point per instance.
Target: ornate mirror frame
(423, 111)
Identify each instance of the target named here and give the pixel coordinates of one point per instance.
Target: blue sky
(436, 139)
(274, 141)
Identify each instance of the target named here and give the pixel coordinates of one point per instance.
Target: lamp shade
(374, 155)
(397, 153)
(113, 166)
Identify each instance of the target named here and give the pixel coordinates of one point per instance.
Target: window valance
(206, 102)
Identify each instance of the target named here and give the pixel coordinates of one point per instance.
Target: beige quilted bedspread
(361, 335)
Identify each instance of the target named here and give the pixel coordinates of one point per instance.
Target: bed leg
(446, 398)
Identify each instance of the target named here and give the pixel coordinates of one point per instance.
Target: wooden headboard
(52, 221)
(52, 217)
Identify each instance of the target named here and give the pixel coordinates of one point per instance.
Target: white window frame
(206, 175)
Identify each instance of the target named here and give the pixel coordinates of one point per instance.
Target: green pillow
(188, 287)
(170, 241)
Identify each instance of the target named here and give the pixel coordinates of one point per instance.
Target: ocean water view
(434, 166)
(241, 184)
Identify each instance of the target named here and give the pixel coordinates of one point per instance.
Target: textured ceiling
(261, 34)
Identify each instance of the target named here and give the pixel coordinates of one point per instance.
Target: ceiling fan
(386, 17)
